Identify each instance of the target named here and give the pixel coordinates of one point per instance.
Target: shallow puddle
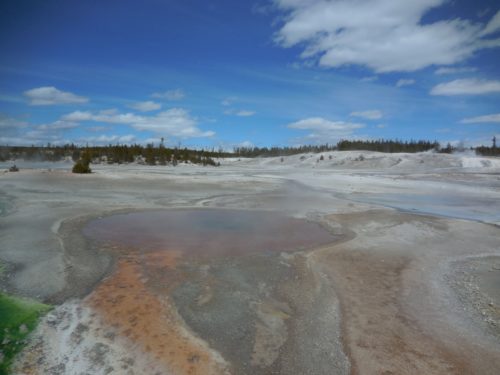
(208, 232)
(451, 204)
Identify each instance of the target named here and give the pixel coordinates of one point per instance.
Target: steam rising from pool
(208, 232)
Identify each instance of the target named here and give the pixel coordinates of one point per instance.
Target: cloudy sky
(265, 72)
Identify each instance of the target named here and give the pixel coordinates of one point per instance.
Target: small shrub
(81, 167)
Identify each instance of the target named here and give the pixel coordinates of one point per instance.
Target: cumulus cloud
(146, 106)
(466, 86)
(405, 82)
(107, 139)
(176, 94)
(175, 122)
(7, 122)
(49, 95)
(17, 132)
(239, 113)
(323, 130)
(11, 130)
(111, 118)
(384, 35)
(369, 115)
(482, 119)
(14, 131)
(443, 71)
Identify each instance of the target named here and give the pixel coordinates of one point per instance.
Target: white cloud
(323, 130)
(145, 106)
(493, 26)
(11, 130)
(7, 122)
(114, 118)
(443, 130)
(384, 35)
(110, 111)
(99, 129)
(176, 94)
(226, 102)
(17, 132)
(369, 115)
(405, 82)
(78, 116)
(57, 125)
(382, 126)
(442, 71)
(175, 122)
(239, 112)
(245, 113)
(107, 139)
(482, 119)
(49, 95)
(246, 144)
(319, 123)
(467, 86)
(369, 79)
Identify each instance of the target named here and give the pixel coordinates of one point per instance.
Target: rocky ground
(408, 284)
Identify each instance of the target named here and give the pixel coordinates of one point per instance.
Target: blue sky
(265, 72)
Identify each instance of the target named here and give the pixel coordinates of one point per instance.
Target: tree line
(119, 154)
(380, 145)
(161, 155)
(489, 151)
(251, 152)
(389, 146)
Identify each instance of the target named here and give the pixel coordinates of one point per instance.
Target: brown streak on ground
(379, 336)
(150, 321)
(166, 259)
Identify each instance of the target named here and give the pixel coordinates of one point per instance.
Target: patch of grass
(18, 317)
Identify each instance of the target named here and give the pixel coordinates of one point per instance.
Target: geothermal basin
(261, 266)
(230, 276)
